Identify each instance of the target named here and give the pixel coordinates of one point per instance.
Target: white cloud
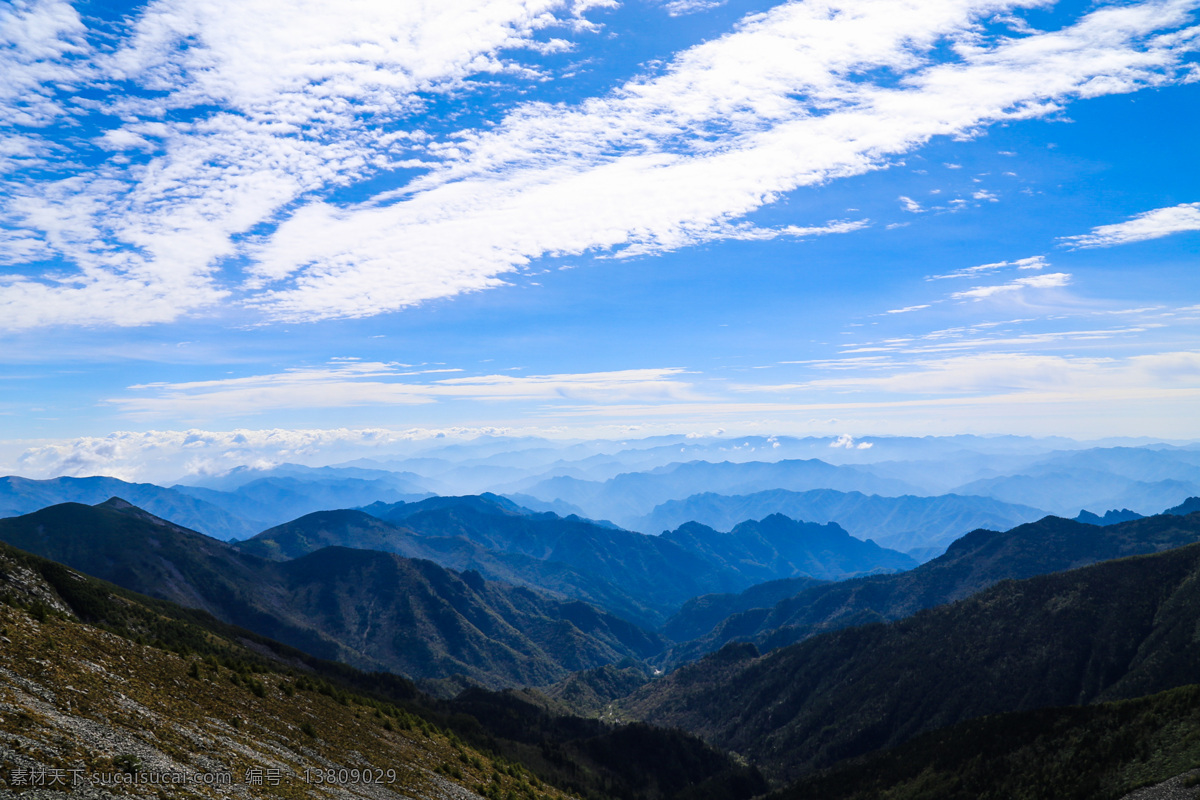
(1149, 225)
(847, 441)
(316, 96)
(982, 336)
(168, 454)
(1032, 262)
(1021, 372)
(748, 232)
(41, 44)
(906, 309)
(1050, 280)
(305, 94)
(677, 8)
(727, 128)
(910, 205)
(346, 384)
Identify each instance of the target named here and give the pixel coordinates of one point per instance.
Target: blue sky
(360, 220)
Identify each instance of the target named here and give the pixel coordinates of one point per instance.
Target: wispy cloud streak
(221, 167)
(344, 385)
(1149, 225)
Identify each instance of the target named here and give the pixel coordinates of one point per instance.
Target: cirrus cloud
(351, 383)
(221, 162)
(1050, 280)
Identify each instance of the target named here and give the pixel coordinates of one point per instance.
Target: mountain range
(1144, 479)
(1118, 629)
(807, 671)
(366, 608)
(628, 497)
(972, 563)
(251, 501)
(21, 496)
(908, 523)
(273, 500)
(644, 578)
(119, 690)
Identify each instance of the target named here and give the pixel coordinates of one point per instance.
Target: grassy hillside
(79, 697)
(98, 679)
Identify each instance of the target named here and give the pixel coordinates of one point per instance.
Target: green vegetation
(1098, 752)
(591, 691)
(376, 611)
(226, 683)
(1119, 629)
(976, 561)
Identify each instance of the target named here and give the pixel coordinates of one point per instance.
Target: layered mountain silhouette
(626, 498)
(644, 578)
(905, 523)
(248, 502)
(974, 562)
(1111, 517)
(357, 529)
(1118, 629)
(273, 500)
(778, 546)
(1189, 506)
(1062, 486)
(23, 495)
(366, 608)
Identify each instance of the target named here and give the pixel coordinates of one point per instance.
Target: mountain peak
(116, 504)
(1189, 506)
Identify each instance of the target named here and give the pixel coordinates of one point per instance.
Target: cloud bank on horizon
(183, 171)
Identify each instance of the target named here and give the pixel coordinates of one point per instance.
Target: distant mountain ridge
(1189, 506)
(238, 477)
(1061, 487)
(353, 528)
(275, 500)
(902, 523)
(1111, 517)
(629, 496)
(780, 547)
(23, 495)
(238, 513)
